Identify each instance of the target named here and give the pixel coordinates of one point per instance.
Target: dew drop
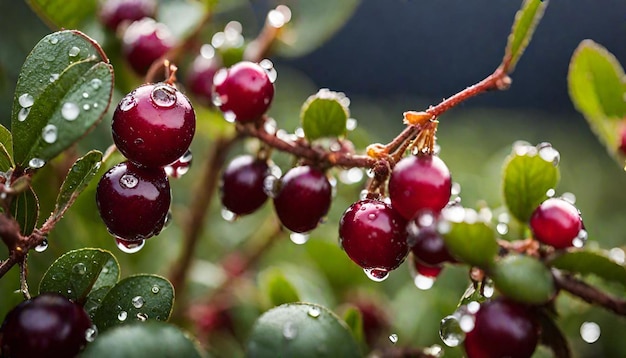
(49, 133)
(276, 19)
(580, 240)
(271, 186)
(36, 163)
(142, 317)
(590, 332)
(550, 193)
(270, 126)
(74, 51)
(70, 111)
(455, 189)
(502, 228)
(376, 275)
(79, 269)
(54, 77)
(467, 322)
(138, 301)
(268, 66)
(424, 282)
(351, 124)
(299, 238)
(86, 107)
(42, 247)
(96, 83)
(129, 247)
(128, 181)
(26, 100)
(290, 331)
(426, 219)
(434, 351)
(548, 153)
(230, 116)
(363, 194)
(371, 216)
(155, 289)
(569, 197)
(228, 215)
(127, 103)
(450, 331)
(617, 255)
(91, 333)
(54, 40)
(122, 316)
(163, 96)
(455, 213)
(314, 312)
(219, 78)
(488, 288)
(23, 114)
(393, 338)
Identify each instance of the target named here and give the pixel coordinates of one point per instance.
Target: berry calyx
(115, 12)
(303, 198)
(48, 325)
(242, 185)
(502, 329)
(133, 201)
(373, 235)
(419, 183)
(429, 247)
(556, 222)
(144, 42)
(243, 92)
(153, 125)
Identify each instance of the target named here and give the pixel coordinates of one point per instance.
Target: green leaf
(149, 339)
(135, 298)
(77, 179)
(6, 149)
(312, 23)
(472, 243)
(526, 21)
(276, 286)
(552, 336)
(354, 320)
(64, 89)
(325, 114)
(523, 279)
(301, 330)
(529, 172)
(64, 14)
(78, 272)
(591, 262)
(25, 209)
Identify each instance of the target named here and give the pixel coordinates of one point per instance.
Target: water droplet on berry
(370, 173)
(142, 317)
(79, 269)
(128, 181)
(393, 338)
(230, 116)
(450, 331)
(363, 194)
(207, 51)
(270, 186)
(54, 40)
(219, 78)
(228, 215)
(581, 239)
(590, 332)
(49, 133)
(617, 255)
(91, 333)
(569, 197)
(23, 114)
(42, 247)
(163, 96)
(314, 312)
(425, 219)
(548, 153)
(467, 322)
(351, 124)
(444, 226)
(299, 238)
(351, 176)
(434, 351)
(138, 301)
(299, 132)
(488, 288)
(376, 275)
(424, 283)
(54, 77)
(455, 213)
(122, 316)
(74, 51)
(290, 331)
(268, 66)
(26, 100)
(36, 163)
(96, 83)
(129, 247)
(155, 289)
(127, 103)
(70, 111)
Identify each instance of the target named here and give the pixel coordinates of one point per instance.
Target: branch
(589, 293)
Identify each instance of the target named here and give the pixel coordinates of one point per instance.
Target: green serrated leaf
(324, 115)
(353, 318)
(277, 288)
(78, 272)
(523, 279)
(64, 89)
(25, 209)
(587, 262)
(301, 330)
(135, 298)
(526, 20)
(474, 244)
(77, 179)
(64, 14)
(149, 339)
(528, 174)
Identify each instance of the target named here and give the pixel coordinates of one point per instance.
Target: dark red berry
(154, 125)
(303, 198)
(243, 92)
(133, 201)
(114, 12)
(48, 325)
(429, 247)
(242, 184)
(419, 183)
(622, 140)
(423, 269)
(556, 222)
(502, 329)
(373, 235)
(180, 167)
(200, 78)
(144, 42)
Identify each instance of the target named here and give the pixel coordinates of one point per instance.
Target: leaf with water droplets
(325, 114)
(290, 330)
(474, 244)
(277, 288)
(50, 110)
(135, 297)
(6, 149)
(526, 20)
(149, 339)
(594, 262)
(78, 272)
(25, 209)
(77, 179)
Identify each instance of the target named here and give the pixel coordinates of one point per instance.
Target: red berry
(303, 198)
(419, 183)
(115, 12)
(429, 247)
(144, 42)
(200, 78)
(556, 222)
(180, 167)
(373, 235)
(48, 325)
(133, 201)
(154, 125)
(242, 185)
(431, 271)
(502, 329)
(622, 139)
(243, 92)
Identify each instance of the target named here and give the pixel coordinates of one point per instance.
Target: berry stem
(589, 293)
(23, 275)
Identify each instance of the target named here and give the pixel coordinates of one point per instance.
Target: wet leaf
(6, 149)
(587, 262)
(523, 279)
(277, 288)
(25, 209)
(324, 114)
(552, 336)
(354, 320)
(474, 244)
(68, 14)
(77, 179)
(526, 20)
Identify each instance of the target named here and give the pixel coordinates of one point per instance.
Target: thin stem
(23, 277)
(589, 293)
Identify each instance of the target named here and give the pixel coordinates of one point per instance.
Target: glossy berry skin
(144, 42)
(373, 235)
(153, 125)
(133, 201)
(622, 140)
(200, 78)
(115, 12)
(423, 269)
(242, 184)
(244, 91)
(502, 329)
(303, 198)
(429, 247)
(556, 222)
(48, 325)
(419, 183)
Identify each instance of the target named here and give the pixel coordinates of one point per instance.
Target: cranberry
(423, 269)
(115, 12)
(133, 201)
(243, 92)
(48, 325)
(556, 222)
(622, 140)
(429, 247)
(154, 125)
(502, 329)
(419, 183)
(200, 78)
(303, 198)
(144, 42)
(373, 235)
(242, 184)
